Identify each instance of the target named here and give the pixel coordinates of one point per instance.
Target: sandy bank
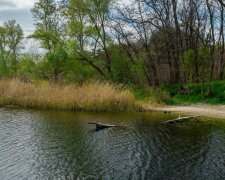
(214, 111)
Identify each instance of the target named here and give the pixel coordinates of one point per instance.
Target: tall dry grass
(93, 96)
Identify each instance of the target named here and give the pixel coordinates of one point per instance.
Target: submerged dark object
(102, 126)
(179, 120)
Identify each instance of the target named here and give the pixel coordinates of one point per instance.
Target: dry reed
(93, 96)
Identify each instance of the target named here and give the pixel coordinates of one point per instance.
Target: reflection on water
(61, 145)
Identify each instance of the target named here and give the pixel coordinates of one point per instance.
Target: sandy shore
(214, 111)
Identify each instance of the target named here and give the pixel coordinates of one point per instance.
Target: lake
(41, 144)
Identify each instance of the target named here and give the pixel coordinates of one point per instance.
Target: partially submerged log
(166, 112)
(102, 126)
(10, 106)
(180, 119)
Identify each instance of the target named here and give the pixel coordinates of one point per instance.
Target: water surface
(61, 145)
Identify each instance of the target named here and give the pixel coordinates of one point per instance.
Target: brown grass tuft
(93, 96)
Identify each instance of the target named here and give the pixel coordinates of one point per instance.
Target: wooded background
(142, 42)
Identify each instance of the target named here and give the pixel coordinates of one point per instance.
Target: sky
(18, 10)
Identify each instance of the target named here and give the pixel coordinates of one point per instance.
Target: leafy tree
(11, 36)
(45, 15)
(47, 23)
(120, 66)
(14, 39)
(4, 52)
(87, 23)
(48, 31)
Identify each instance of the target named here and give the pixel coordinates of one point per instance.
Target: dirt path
(215, 111)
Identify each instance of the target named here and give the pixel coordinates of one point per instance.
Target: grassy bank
(92, 96)
(95, 96)
(193, 95)
(150, 95)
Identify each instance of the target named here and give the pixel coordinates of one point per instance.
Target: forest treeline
(141, 42)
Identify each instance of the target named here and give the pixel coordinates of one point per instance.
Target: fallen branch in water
(102, 126)
(180, 119)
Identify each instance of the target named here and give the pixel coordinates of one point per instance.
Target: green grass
(150, 95)
(217, 95)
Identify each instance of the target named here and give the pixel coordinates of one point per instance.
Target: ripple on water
(51, 145)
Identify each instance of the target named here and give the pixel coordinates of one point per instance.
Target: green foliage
(203, 54)
(27, 68)
(189, 58)
(137, 70)
(120, 68)
(204, 59)
(57, 58)
(78, 25)
(14, 36)
(45, 14)
(87, 27)
(44, 70)
(4, 69)
(47, 22)
(150, 95)
(124, 70)
(76, 69)
(78, 72)
(48, 38)
(11, 36)
(47, 31)
(171, 89)
(217, 95)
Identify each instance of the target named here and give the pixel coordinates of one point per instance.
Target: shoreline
(212, 111)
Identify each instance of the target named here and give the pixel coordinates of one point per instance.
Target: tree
(14, 39)
(211, 12)
(48, 31)
(11, 36)
(133, 26)
(204, 59)
(87, 25)
(222, 42)
(47, 23)
(4, 52)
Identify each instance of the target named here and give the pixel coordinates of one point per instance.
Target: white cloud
(16, 4)
(124, 2)
(22, 4)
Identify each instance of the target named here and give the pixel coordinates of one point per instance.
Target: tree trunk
(222, 47)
